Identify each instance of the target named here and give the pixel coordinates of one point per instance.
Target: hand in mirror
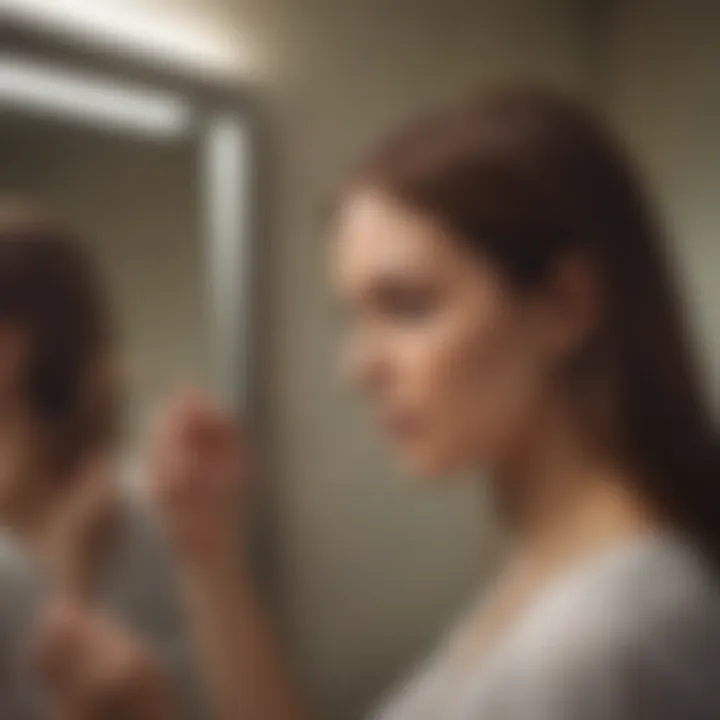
(199, 475)
(94, 669)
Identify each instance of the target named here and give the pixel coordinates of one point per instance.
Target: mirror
(157, 180)
(154, 173)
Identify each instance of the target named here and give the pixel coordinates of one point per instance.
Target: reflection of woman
(65, 527)
(512, 311)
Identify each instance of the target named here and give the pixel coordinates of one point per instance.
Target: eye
(407, 303)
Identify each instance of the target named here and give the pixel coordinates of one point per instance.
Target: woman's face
(454, 362)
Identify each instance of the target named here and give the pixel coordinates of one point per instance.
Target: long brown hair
(50, 292)
(526, 177)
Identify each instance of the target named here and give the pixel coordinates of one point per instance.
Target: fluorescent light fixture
(178, 36)
(92, 99)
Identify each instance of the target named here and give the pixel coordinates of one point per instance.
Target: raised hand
(199, 475)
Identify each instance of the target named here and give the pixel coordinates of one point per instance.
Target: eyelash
(410, 306)
(401, 305)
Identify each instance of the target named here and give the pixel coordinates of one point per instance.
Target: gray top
(139, 588)
(631, 635)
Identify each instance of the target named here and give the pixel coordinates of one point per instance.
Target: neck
(564, 495)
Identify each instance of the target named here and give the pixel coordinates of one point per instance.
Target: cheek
(504, 387)
(476, 385)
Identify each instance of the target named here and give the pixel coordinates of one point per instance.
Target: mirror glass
(154, 182)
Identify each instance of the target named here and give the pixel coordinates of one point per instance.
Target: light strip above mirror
(34, 86)
(177, 35)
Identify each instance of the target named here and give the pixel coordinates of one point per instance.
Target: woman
(512, 311)
(66, 528)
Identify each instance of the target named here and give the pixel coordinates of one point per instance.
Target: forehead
(376, 235)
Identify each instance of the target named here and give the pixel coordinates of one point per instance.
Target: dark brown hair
(527, 177)
(51, 293)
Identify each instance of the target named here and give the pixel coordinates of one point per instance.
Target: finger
(189, 406)
(83, 657)
(184, 430)
(206, 444)
(59, 644)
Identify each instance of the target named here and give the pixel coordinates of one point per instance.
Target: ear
(573, 305)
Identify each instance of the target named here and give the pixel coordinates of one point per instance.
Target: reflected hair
(52, 295)
(527, 177)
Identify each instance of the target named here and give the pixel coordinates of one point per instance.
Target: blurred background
(218, 265)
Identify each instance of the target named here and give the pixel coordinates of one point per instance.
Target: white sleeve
(21, 593)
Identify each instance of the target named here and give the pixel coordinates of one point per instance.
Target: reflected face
(453, 361)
